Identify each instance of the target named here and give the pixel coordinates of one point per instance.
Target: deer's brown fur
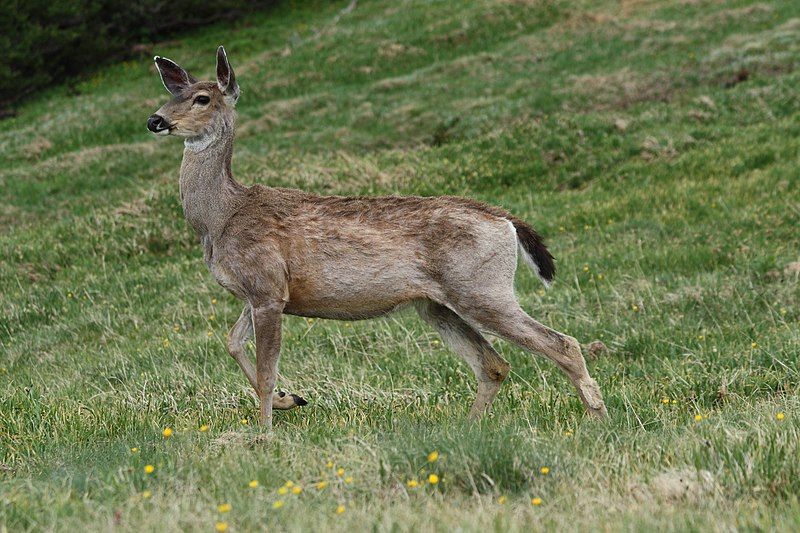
(285, 251)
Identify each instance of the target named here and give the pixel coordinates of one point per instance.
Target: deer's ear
(175, 79)
(226, 79)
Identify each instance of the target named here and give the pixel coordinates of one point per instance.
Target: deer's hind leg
(489, 367)
(237, 338)
(506, 319)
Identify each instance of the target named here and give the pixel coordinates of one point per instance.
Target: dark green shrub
(45, 41)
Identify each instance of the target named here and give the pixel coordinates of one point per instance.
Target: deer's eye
(202, 99)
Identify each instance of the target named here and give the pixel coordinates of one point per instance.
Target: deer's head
(198, 108)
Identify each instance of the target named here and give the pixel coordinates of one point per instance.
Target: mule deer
(285, 251)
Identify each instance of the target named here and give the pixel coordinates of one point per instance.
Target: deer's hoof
(284, 401)
(298, 401)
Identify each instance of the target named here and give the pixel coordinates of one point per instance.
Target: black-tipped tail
(536, 253)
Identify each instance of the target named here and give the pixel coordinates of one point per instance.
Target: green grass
(667, 191)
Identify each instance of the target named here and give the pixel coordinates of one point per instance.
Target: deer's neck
(209, 193)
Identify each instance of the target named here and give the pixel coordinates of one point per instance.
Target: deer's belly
(353, 299)
(342, 310)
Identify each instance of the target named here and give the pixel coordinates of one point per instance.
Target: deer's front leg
(267, 327)
(237, 338)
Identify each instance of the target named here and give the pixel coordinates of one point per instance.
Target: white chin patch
(162, 132)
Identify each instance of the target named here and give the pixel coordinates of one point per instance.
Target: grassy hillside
(655, 144)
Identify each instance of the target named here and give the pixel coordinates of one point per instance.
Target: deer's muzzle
(158, 125)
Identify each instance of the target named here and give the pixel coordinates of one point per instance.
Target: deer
(284, 251)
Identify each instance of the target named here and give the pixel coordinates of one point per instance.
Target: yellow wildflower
(213, 301)
(340, 472)
(433, 479)
(244, 421)
(665, 401)
(278, 504)
(297, 490)
(224, 508)
(780, 416)
(348, 479)
(698, 418)
(340, 509)
(433, 456)
(412, 483)
(221, 526)
(253, 484)
(321, 485)
(501, 500)
(148, 469)
(754, 345)
(544, 470)
(167, 433)
(329, 464)
(146, 494)
(536, 501)
(289, 484)
(283, 490)
(203, 428)
(212, 317)
(134, 449)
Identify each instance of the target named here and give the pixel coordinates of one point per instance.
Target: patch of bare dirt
(390, 50)
(792, 269)
(388, 84)
(84, 156)
(623, 88)
(240, 439)
(676, 486)
(34, 149)
(691, 293)
(135, 208)
(725, 15)
(653, 148)
(344, 172)
(273, 114)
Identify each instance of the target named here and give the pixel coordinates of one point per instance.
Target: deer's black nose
(156, 123)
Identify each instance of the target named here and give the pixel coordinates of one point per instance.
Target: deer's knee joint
(572, 348)
(497, 370)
